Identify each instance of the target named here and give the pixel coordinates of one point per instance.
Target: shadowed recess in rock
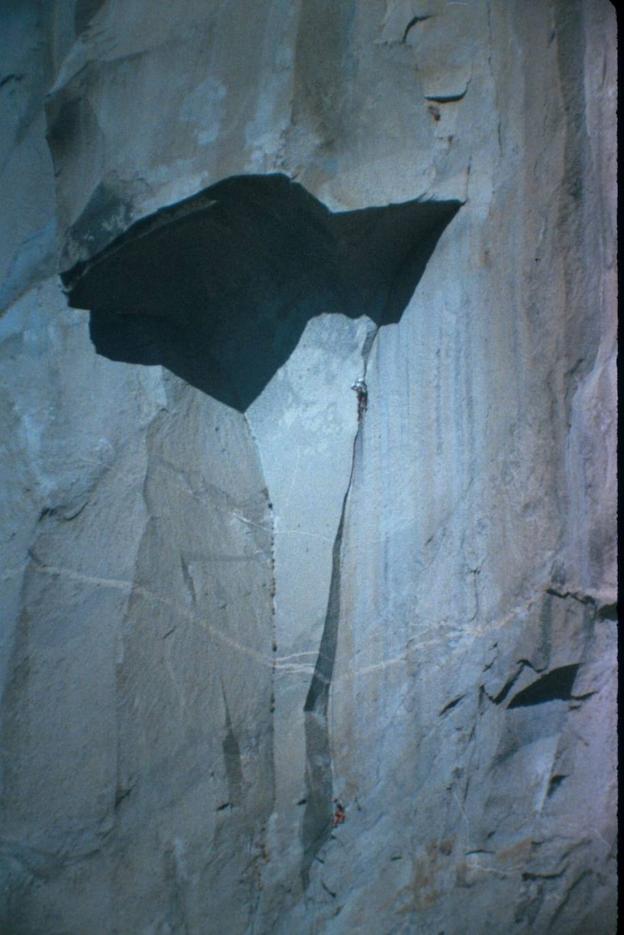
(318, 774)
(554, 685)
(218, 288)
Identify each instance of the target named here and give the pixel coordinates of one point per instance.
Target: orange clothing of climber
(339, 815)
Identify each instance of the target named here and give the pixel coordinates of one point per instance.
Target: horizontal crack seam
(281, 663)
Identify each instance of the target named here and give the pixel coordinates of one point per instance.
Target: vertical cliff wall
(228, 597)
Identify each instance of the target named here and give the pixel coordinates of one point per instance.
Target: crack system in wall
(219, 289)
(317, 816)
(261, 841)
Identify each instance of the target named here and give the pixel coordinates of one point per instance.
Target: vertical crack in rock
(261, 840)
(319, 784)
(232, 758)
(318, 770)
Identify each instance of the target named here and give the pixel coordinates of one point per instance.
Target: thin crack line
(282, 532)
(249, 522)
(120, 584)
(319, 767)
(300, 669)
(281, 663)
(308, 652)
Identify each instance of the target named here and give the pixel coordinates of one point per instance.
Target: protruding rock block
(219, 287)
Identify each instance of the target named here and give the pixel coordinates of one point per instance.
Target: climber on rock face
(360, 388)
(339, 815)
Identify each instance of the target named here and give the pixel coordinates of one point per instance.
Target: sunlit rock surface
(227, 600)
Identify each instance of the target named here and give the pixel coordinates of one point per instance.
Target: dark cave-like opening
(218, 288)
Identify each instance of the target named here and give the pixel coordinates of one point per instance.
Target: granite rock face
(230, 595)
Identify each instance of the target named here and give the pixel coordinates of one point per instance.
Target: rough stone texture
(29, 223)
(217, 618)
